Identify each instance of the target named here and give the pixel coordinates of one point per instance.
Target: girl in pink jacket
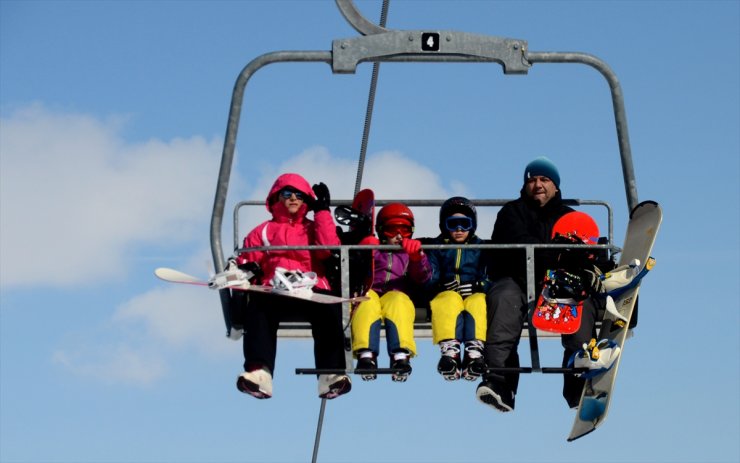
(289, 200)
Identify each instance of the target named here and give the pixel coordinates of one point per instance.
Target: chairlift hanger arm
(431, 46)
(357, 20)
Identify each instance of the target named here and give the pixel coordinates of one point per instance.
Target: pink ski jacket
(287, 230)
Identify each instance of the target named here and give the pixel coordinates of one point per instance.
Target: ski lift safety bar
(384, 45)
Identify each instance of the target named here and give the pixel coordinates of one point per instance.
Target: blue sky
(112, 117)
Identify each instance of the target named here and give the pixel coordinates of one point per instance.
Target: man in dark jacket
(526, 220)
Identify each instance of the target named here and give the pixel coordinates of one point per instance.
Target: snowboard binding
(621, 276)
(596, 357)
(234, 276)
(230, 278)
(295, 282)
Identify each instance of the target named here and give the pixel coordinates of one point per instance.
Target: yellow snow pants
(456, 318)
(396, 310)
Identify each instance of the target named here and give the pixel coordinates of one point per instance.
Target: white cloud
(75, 197)
(179, 316)
(114, 364)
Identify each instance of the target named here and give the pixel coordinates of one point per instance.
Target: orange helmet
(394, 214)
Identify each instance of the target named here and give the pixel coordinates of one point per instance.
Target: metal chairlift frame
(378, 44)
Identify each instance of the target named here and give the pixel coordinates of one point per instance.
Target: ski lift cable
(370, 106)
(360, 168)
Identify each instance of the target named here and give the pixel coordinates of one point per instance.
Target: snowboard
(176, 276)
(563, 316)
(642, 229)
(557, 316)
(360, 218)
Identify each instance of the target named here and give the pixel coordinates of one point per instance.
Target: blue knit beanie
(544, 167)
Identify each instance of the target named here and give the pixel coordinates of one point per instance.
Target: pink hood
(289, 180)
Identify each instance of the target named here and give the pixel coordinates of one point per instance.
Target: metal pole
(318, 431)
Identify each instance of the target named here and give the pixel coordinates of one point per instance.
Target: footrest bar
(550, 370)
(345, 371)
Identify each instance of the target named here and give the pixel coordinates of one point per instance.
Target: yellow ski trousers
(396, 310)
(456, 318)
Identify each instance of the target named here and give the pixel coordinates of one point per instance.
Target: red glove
(412, 248)
(370, 240)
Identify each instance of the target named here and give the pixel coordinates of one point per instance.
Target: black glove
(252, 267)
(323, 199)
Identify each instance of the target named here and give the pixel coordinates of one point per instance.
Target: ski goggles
(286, 193)
(398, 229)
(455, 223)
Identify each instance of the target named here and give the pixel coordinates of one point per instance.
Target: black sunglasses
(286, 193)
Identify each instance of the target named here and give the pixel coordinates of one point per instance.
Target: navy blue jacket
(466, 265)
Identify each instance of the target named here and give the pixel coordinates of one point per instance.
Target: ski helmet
(454, 205)
(394, 214)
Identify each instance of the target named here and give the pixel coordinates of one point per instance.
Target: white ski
(642, 229)
(176, 276)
